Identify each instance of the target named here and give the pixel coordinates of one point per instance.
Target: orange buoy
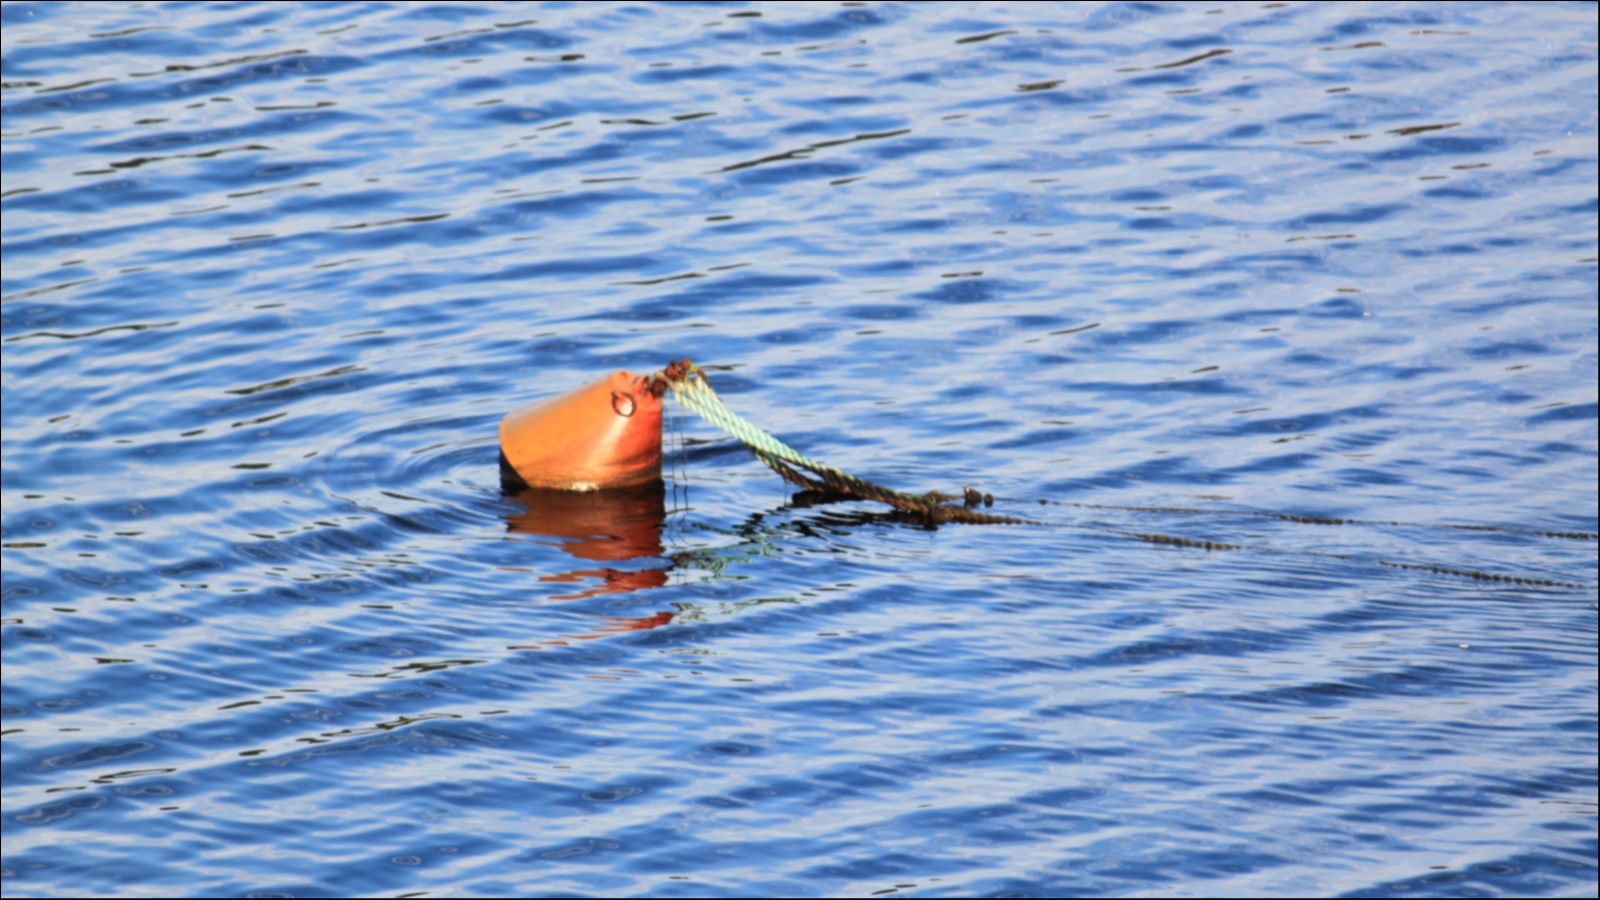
(606, 435)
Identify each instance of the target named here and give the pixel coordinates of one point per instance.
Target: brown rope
(929, 506)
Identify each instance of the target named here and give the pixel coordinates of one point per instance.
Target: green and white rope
(691, 387)
(696, 393)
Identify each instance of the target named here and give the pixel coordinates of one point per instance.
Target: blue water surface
(1313, 281)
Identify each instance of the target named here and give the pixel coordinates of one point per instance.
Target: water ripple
(1310, 286)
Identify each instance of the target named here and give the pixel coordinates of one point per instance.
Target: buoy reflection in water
(611, 526)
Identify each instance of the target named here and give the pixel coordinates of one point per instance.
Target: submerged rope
(693, 389)
(1324, 520)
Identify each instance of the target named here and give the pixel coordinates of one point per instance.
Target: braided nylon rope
(696, 393)
(692, 388)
